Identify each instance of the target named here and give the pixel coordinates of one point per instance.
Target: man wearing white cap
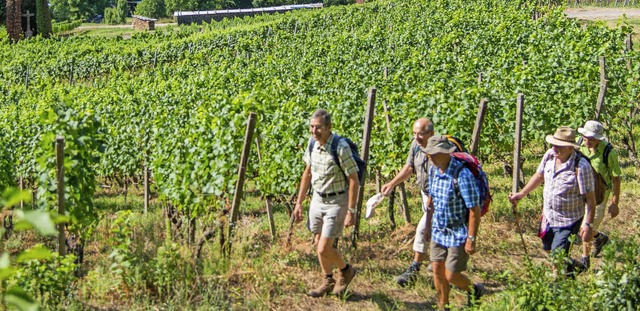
(604, 160)
(567, 185)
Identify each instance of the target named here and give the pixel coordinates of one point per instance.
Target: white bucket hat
(592, 129)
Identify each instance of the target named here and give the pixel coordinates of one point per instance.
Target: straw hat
(564, 137)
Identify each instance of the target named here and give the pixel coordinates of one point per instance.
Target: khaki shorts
(600, 211)
(327, 215)
(419, 241)
(455, 258)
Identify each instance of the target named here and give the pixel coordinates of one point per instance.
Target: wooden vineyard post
(603, 88)
(242, 169)
(62, 247)
(629, 48)
(272, 224)
(366, 137)
(392, 200)
(516, 164)
(477, 129)
(146, 188)
(71, 73)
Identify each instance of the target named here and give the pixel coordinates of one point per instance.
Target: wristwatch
(352, 210)
(472, 238)
(586, 224)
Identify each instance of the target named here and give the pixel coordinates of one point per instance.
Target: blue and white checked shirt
(451, 211)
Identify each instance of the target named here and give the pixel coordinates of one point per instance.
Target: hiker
(567, 186)
(335, 190)
(604, 160)
(416, 163)
(454, 217)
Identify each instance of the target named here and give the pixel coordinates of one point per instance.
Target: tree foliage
(151, 8)
(116, 15)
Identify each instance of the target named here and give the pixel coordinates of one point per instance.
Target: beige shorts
(600, 212)
(327, 215)
(419, 241)
(455, 258)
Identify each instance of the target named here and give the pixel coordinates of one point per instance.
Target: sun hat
(564, 137)
(439, 144)
(592, 129)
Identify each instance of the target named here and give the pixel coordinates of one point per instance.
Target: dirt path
(602, 13)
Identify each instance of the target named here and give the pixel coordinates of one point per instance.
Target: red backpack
(475, 167)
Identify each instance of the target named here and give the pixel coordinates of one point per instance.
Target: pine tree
(43, 18)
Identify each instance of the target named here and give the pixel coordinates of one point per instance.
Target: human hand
(470, 247)
(386, 189)
(613, 210)
(586, 234)
(297, 212)
(515, 197)
(350, 220)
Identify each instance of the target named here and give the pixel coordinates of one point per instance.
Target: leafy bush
(66, 26)
(116, 15)
(151, 8)
(49, 279)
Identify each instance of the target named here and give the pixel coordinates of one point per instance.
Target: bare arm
(402, 175)
(586, 231)
(305, 182)
(535, 181)
(474, 224)
(615, 198)
(354, 186)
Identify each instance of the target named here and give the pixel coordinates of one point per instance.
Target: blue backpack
(334, 153)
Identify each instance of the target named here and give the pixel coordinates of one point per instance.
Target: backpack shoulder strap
(605, 154)
(416, 149)
(334, 151)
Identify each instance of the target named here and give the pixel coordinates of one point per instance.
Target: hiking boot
(576, 267)
(409, 276)
(585, 262)
(473, 298)
(344, 279)
(598, 243)
(324, 288)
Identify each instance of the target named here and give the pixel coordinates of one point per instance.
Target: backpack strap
(334, 151)
(605, 155)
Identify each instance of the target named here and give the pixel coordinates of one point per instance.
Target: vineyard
(171, 107)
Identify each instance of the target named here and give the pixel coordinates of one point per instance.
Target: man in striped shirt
(567, 186)
(335, 190)
(455, 218)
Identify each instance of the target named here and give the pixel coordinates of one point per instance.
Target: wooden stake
(62, 247)
(601, 96)
(272, 224)
(146, 189)
(516, 163)
(404, 203)
(366, 137)
(477, 129)
(242, 169)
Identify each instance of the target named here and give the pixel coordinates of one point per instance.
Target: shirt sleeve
(307, 155)
(545, 158)
(347, 163)
(410, 156)
(469, 188)
(585, 177)
(614, 164)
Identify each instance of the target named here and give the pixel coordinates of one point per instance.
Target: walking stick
(515, 215)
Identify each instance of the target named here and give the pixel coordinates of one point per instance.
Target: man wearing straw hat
(567, 187)
(604, 160)
(455, 218)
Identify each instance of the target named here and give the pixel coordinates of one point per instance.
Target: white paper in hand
(372, 203)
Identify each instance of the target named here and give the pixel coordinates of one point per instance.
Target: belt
(329, 195)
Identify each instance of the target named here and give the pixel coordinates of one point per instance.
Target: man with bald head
(416, 163)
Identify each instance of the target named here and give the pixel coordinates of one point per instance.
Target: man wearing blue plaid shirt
(455, 218)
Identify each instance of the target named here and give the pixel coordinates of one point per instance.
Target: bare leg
(419, 257)
(441, 282)
(458, 279)
(329, 256)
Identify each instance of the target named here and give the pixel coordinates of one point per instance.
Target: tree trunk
(14, 19)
